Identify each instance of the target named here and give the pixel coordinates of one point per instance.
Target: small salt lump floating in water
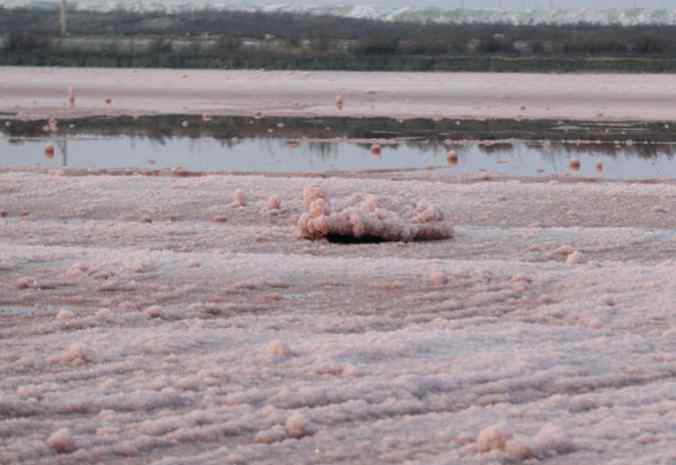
(49, 151)
(452, 157)
(71, 97)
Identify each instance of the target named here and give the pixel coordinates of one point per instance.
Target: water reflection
(271, 153)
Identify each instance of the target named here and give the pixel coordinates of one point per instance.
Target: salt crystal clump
(274, 203)
(153, 312)
(238, 199)
(76, 270)
(277, 349)
(438, 278)
(296, 426)
(574, 258)
(26, 283)
(364, 218)
(104, 314)
(550, 439)
(61, 441)
(312, 193)
(65, 315)
(275, 434)
(494, 437)
(519, 448)
(74, 355)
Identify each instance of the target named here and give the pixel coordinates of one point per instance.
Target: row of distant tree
(368, 36)
(218, 39)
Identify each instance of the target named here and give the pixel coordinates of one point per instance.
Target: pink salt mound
(493, 437)
(296, 426)
(153, 312)
(76, 270)
(64, 315)
(551, 440)
(519, 449)
(25, 283)
(312, 193)
(438, 279)
(61, 441)
(367, 218)
(277, 349)
(274, 203)
(238, 199)
(74, 355)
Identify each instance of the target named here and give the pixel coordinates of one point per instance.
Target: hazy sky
(446, 4)
(524, 3)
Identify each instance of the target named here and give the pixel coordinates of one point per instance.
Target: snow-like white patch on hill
(418, 13)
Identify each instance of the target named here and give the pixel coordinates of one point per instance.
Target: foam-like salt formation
(277, 349)
(438, 278)
(61, 441)
(551, 440)
(368, 218)
(238, 199)
(74, 355)
(274, 203)
(76, 270)
(65, 315)
(296, 425)
(153, 312)
(494, 437)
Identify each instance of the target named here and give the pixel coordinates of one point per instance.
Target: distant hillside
(282, 40)
(421, 12)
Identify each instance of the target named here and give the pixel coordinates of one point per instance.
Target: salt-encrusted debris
(273, 203)
(438, 278)
(65, 315)
(77, 270)
(154, 311)
(278, 350)
(366, 218)
(574, 258)
(61, 441)
(74, 355)
(238, 199)
(26, 283)
(494, 437)
(296, 426)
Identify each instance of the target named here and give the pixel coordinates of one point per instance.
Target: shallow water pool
(282, 155)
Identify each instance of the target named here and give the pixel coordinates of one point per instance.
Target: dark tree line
(218, 39)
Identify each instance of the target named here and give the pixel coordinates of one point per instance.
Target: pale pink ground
(135, 330)
(41, 92)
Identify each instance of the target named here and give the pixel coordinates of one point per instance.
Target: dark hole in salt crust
(350, 240)
(347, 240)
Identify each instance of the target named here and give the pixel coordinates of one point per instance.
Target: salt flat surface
(42, 92)
(145, 320)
